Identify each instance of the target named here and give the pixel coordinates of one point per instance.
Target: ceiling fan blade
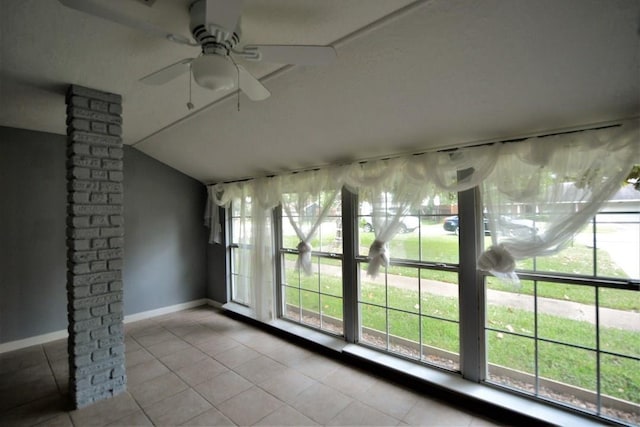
(223, 13)
(293, 54)
(100, 11)
(167, 73)
(251, 86)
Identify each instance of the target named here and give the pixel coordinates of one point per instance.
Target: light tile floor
(199, 367)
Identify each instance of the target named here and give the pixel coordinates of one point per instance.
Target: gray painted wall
(165, 246)
(33, 257)
(165, 240)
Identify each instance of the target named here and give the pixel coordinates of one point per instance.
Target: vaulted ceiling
(409, 76)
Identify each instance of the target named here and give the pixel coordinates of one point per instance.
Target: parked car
(512, 227)
(452, 224)
(407, 224)
(517, 227)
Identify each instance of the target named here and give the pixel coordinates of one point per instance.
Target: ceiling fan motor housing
(213, 37)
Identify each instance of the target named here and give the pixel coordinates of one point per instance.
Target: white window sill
(430, 377)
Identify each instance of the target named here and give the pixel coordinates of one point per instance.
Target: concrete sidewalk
(609, 318)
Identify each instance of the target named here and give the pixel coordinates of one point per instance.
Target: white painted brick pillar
(95, 241)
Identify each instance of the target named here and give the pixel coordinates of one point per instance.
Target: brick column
(95, 240)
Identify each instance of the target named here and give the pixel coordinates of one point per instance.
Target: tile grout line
(160, 327)
(55, 379)
(189, 386)
(193, 387)
(146, 414)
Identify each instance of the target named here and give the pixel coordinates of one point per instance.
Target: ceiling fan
(215, 27)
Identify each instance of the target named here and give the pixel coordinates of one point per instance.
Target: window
(571, 331)
(240, 250)
(314, 299)
(411, 307)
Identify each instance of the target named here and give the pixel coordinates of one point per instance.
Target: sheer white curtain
(239, 198)
(253, 203)
(384, 186)
(307, 198)
(396, 186)
(236, 195)
(266, 196)
(453, 171)
(212, 217)
(563, 180)
(219, 195)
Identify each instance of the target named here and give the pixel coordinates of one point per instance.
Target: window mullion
(471, 287)
(226, 218)
(349, 265)
(277, 233)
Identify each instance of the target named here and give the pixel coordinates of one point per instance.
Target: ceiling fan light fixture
(214, 72)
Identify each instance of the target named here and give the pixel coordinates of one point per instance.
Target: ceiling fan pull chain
(190, 104)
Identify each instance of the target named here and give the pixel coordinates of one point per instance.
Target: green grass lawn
(621, 376)
(444, 248)
(579, 257)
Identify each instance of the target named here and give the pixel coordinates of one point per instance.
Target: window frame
(419, 264)
(593, 282)
(281, 253)
(231, 248)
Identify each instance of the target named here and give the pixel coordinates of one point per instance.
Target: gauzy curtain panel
(253, 203)
(564, 178)
(390, 196)
(306, 200)
(266, 196)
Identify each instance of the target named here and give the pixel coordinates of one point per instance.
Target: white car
(407, 224)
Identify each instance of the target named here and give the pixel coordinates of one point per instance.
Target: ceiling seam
(385, 20)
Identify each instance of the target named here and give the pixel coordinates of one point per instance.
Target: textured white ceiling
(435, 74)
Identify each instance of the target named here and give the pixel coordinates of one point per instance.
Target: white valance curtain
(566, 176)
(564, 179)
(220, 195)
(383, 185)
(306, 200)
(397, 186)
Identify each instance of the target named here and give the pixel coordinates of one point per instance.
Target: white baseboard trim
(35, 340)
(57, 335)
(214, 304)
(164, 310)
